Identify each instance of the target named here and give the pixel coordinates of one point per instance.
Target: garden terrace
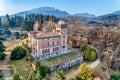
(62, 59)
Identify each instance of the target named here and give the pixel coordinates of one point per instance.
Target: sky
(97, 7)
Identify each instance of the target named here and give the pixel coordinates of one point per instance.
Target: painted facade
(49, 44)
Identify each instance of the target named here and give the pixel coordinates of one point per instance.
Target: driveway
(92, 65)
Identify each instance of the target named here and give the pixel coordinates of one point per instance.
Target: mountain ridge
(45, 11)
(84, 15)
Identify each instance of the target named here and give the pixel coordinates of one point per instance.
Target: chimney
(36, 26)
(54, 31)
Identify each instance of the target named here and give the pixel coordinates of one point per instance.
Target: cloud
(1, 4)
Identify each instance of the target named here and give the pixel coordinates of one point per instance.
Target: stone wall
(67, 64)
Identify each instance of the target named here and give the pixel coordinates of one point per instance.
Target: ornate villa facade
(49, 44)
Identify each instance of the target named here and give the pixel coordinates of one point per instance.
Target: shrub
(115, 76)
(18, 53)
(2, 56)
(90, 54)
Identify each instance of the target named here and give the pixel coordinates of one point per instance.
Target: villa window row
(56, 49)
(45, 51)
(49, 43)
(48, 50)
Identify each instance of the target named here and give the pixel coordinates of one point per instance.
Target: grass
(51, 61)
(22, 67)
(69, 55)
(11, 44)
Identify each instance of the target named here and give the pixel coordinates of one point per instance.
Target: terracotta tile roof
(40, 34)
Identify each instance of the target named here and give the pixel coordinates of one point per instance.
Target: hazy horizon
(87, 6)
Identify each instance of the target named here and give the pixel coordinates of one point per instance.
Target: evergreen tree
(2, 48)
(115, 76)
(0, 22)
(16, 77)
(27, 25)
(6, 22)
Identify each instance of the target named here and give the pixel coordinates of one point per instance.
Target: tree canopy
(2, 48)
(90, 54)
(18, 53)
(84, 73)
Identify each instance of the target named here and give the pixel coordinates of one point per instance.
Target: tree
(43, 70)
(26, 47)
(2, 48)
(60, 75)
(115, 76)
(83, 47)
(16, 77)
(6, 22)
(51, 18)
(18, 53)
(84, 73)
(36, 64)
(38, 76)
(16, 34)
(27, 25)
(90, 54)
(0, 22)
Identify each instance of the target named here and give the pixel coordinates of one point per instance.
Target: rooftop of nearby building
(41, 34)
(55, 61)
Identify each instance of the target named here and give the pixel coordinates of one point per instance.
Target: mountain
(108, 20)
(84, 15)
(45, 11)
(116, 12)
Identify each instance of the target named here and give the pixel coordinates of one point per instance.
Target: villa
(49, 44)
(51, 49)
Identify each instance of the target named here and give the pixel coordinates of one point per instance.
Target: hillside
(108, 20)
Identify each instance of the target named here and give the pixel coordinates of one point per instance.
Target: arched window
(43, 51)
(49, 50)
(53, 49)
(57, 42)
(48, 44)
(52, 43)
(64, 36)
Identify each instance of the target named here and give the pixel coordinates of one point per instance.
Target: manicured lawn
(70, 55)
(51, 61)
(22, 67)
